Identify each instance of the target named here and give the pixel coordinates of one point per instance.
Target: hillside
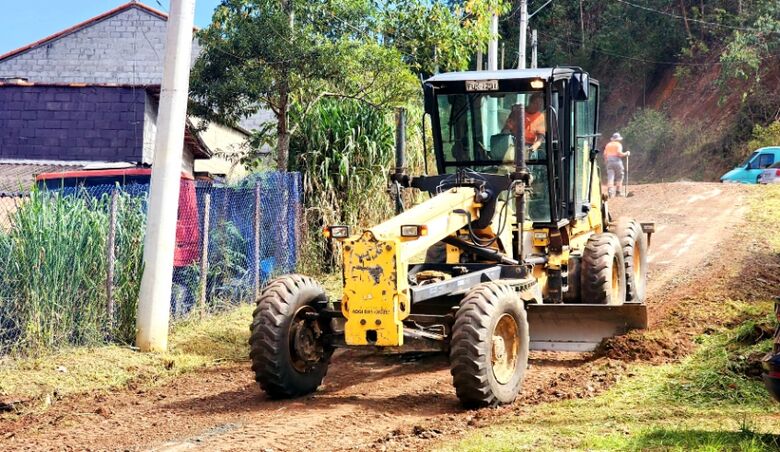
(703, 128)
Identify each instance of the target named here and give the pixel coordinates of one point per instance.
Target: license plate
(481, 85)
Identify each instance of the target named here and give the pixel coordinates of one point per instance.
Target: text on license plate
(481, 85)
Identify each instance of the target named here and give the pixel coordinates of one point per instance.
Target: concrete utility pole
(523, 33)
(493, 44)
(155, 297)
(534, 43)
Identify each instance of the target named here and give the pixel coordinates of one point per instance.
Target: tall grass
(344, 150)
(53, 277)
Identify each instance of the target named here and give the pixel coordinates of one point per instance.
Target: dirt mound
(641, 346)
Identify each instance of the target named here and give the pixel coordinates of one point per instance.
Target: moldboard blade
(581, 327)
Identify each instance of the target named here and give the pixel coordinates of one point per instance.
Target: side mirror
(579, 86)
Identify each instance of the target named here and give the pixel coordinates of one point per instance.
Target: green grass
(194, 344)
(703, 403)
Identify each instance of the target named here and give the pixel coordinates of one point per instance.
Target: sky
(26, 21)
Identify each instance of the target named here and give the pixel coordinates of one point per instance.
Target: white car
(770, 175)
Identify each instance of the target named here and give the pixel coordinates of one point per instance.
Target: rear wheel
(603, 273)
(634, 244)
(489, 347)
(289, 356)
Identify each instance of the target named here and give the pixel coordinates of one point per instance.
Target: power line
(699, 21)
(628, 57)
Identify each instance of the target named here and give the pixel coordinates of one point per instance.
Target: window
(765, 160)
(477, 130)
(585, 129)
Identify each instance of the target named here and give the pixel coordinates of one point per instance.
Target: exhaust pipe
(399, 178)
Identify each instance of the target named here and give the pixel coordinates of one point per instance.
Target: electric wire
(698, 21)
(576, 42)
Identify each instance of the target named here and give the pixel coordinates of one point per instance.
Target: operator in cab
(534, 121)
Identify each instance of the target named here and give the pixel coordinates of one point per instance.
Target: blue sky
(27, 21)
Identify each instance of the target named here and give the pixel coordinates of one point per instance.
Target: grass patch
(654, 410)
(194, 344)
(765, 211)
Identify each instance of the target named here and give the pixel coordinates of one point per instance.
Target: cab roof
(549, 74)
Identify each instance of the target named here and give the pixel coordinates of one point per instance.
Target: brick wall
(71, 123)
(126, 48)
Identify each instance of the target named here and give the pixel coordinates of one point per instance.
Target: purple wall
(71, 123)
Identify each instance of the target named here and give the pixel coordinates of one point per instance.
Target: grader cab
(520, 252)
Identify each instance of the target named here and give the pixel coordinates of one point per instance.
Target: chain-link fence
(72, 256)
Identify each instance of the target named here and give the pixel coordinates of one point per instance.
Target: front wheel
(289, 356)
(489, 347)
(634, 244)
(603, 272)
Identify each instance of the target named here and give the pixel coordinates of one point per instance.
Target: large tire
(288, 356)
(489, 346)
(603, 272)
(634, 244)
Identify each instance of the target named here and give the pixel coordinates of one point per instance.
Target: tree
(436, 36)
(272, 53)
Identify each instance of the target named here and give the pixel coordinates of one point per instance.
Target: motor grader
(514, 250)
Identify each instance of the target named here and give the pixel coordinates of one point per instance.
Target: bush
(647, 134)
(765, 136)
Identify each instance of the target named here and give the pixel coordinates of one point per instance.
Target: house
(87, 123)
(109, 66)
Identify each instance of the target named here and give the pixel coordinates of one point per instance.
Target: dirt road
(383, 402)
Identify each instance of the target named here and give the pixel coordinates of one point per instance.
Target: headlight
(336, 232)
(413, 230)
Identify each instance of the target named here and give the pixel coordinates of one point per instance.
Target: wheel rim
(306, 349)
(615, 288)
(505, 348)
(638, 269)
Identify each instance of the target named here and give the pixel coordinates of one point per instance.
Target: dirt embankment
(400, 404)
(708, 124)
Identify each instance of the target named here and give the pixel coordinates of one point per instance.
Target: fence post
(204, 253)
(111, 257)
(258, 207)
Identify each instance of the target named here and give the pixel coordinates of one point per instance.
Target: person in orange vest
(613, 157)
(534, 121)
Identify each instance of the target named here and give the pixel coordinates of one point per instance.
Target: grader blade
(581, 327)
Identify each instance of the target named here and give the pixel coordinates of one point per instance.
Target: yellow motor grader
(520, 252)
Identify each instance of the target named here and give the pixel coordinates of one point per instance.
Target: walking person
(613, 157)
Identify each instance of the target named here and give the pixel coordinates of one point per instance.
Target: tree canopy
(278, 53)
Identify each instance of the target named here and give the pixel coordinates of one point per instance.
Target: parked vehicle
(770, 175)
(750, 171)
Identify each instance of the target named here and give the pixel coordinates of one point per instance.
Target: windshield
(478, 133)
(745, 163)
(478, 129)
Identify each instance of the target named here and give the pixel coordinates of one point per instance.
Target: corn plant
(344, 151)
